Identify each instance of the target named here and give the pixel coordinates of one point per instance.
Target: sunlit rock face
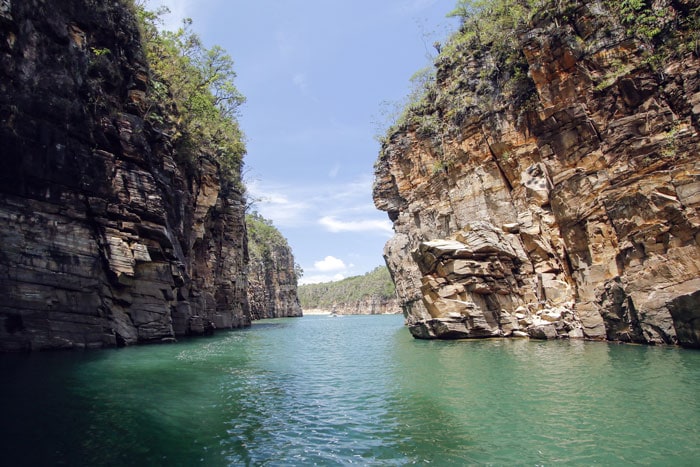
(106, 237)
(573, 216)
(272, 289)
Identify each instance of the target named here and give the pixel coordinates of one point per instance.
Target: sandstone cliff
(110, 235)
(272, 279)
(554, 193)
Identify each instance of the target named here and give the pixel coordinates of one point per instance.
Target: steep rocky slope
(272, 279)
(109, 235)
(554, 193)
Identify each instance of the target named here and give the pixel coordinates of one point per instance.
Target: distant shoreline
(315, 311)
(321, 311)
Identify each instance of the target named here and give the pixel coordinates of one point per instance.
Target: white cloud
(276, 205)
(367, 225)
(315, 279)
(330, 263)
(335, 207)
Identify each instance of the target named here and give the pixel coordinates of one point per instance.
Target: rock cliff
(109, 234)
(554, 193)
(272, 278)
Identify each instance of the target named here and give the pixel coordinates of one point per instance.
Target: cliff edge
(272, 272)
(548, 181)
(110, 232)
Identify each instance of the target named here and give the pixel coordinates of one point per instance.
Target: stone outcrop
(572, 212)
(272, 290)
(108, 234)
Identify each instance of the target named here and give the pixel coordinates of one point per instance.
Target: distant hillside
(371, 293)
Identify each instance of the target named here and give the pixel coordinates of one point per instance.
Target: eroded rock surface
(108, 235)
(575, 215)
(272, 292)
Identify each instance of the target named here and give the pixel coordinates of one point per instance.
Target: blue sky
(315, 74)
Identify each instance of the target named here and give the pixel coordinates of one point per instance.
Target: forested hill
(371, 293)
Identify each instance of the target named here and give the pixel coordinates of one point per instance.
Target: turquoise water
(351, 390)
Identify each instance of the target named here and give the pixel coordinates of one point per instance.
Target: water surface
(351, 390)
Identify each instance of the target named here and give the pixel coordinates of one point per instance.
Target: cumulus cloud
(330, 263)
(334, 225)
(315, 279)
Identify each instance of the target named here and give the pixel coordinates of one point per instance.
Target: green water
(351, 390)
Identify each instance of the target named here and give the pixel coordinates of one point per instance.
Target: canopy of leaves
(198, 83)
(376, 283)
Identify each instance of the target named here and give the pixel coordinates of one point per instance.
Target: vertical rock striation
(272, 272)
(566, 208)
(108, 235)
(272, 290)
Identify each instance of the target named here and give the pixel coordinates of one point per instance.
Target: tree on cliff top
(197, 82)
(263, 237)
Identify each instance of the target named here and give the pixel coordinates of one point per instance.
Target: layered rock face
(573, 214)
(272, 290)
(108, 237)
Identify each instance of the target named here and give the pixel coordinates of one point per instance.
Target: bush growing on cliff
(262, 236)
(489, 34)
(197, 82)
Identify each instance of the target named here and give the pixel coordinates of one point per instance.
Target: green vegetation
(640, 17)
(375, 283)
(497, 77)
(192, 95)
(263, 237)
(482, 68)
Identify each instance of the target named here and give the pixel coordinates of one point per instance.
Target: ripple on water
(356, 390)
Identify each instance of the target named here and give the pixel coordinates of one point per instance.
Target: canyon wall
(560, 200)
(272, 289)
(272, 271)
(109, 234)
